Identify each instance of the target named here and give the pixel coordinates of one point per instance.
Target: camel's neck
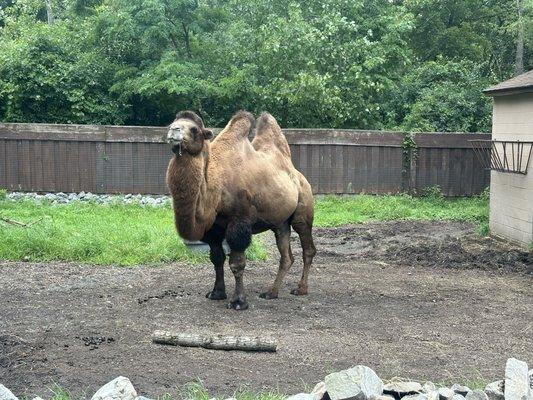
(192, 196)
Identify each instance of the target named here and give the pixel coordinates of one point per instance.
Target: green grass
(342, 210)
(192, 391)
(131, 234)
(96, 234)
(197, 391)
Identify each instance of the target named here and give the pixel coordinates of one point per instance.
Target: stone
(400, 389)
(359, 382)
(418, 396)
(301, 396)
(446, 394)
(530, 374)
(494, 390)
(476, 394)
(458, 396)
(37, 398)
(118, 389)
(383, 397)
(142, 398)
(428, 387)
(319, 390)
(516, 380)
(434, 395)
(459, 389)
(6, 394)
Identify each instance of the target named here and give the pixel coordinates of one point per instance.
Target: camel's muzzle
(175, 139)
(174, 136)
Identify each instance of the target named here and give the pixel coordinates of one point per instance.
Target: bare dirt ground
(424, 300)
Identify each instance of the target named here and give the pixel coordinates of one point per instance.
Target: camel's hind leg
(283, 241)
(237, 263)
(302, 223)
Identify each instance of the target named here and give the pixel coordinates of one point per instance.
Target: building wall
(511, 195)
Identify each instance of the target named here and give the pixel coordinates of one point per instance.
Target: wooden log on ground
(215, 342)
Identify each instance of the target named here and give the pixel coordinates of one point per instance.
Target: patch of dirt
(420, 300)
(427, 244)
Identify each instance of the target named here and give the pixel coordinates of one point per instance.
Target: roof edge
(508, 91)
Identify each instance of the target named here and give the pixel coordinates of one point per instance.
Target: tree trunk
(519, 64)
(187, 39)
(215, 342)
(49, 13)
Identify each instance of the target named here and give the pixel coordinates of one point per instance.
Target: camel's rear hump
(269, 133)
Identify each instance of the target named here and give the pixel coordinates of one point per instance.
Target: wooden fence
(128, 159)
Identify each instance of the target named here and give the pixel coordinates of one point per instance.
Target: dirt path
(421, 300)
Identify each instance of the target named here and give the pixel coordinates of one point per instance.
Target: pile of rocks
(66, 198)
(362, 383)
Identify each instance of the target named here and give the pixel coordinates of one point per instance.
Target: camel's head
(187, 134)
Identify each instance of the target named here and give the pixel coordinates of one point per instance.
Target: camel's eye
(194, 130)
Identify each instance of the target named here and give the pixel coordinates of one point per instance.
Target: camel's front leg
(237, 263)
(218, 257)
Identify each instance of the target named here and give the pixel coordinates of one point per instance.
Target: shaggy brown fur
(232, 188)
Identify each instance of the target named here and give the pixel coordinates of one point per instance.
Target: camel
(231, 188)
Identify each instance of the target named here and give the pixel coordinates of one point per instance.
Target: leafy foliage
(418, 65)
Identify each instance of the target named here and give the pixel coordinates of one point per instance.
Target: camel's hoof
(299, 291)
(238, 305)
(216, 295)
(269, 295)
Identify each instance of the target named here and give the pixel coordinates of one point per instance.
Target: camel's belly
(276, 202)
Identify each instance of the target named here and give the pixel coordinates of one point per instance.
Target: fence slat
(49, 171)
(3, 165)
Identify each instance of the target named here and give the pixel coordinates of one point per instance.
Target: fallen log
(215, 342)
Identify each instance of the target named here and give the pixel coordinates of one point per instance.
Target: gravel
(83, 197)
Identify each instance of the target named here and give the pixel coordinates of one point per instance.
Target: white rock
(458, 396)
(301, 396)
(118, 389)
(143, 398)
(319, 390)
(476, 395)
(516, 380)
(434, 395)
(359, 382)
(460, 389)
(446, 394)
(419, 396)
(383, 397)
(428, 387)
(402, 388)
(37, 398)
(6, 394)
(494, 390)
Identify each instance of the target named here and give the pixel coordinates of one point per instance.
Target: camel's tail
(268, 133)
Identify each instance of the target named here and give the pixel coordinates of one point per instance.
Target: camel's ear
(208, 134)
